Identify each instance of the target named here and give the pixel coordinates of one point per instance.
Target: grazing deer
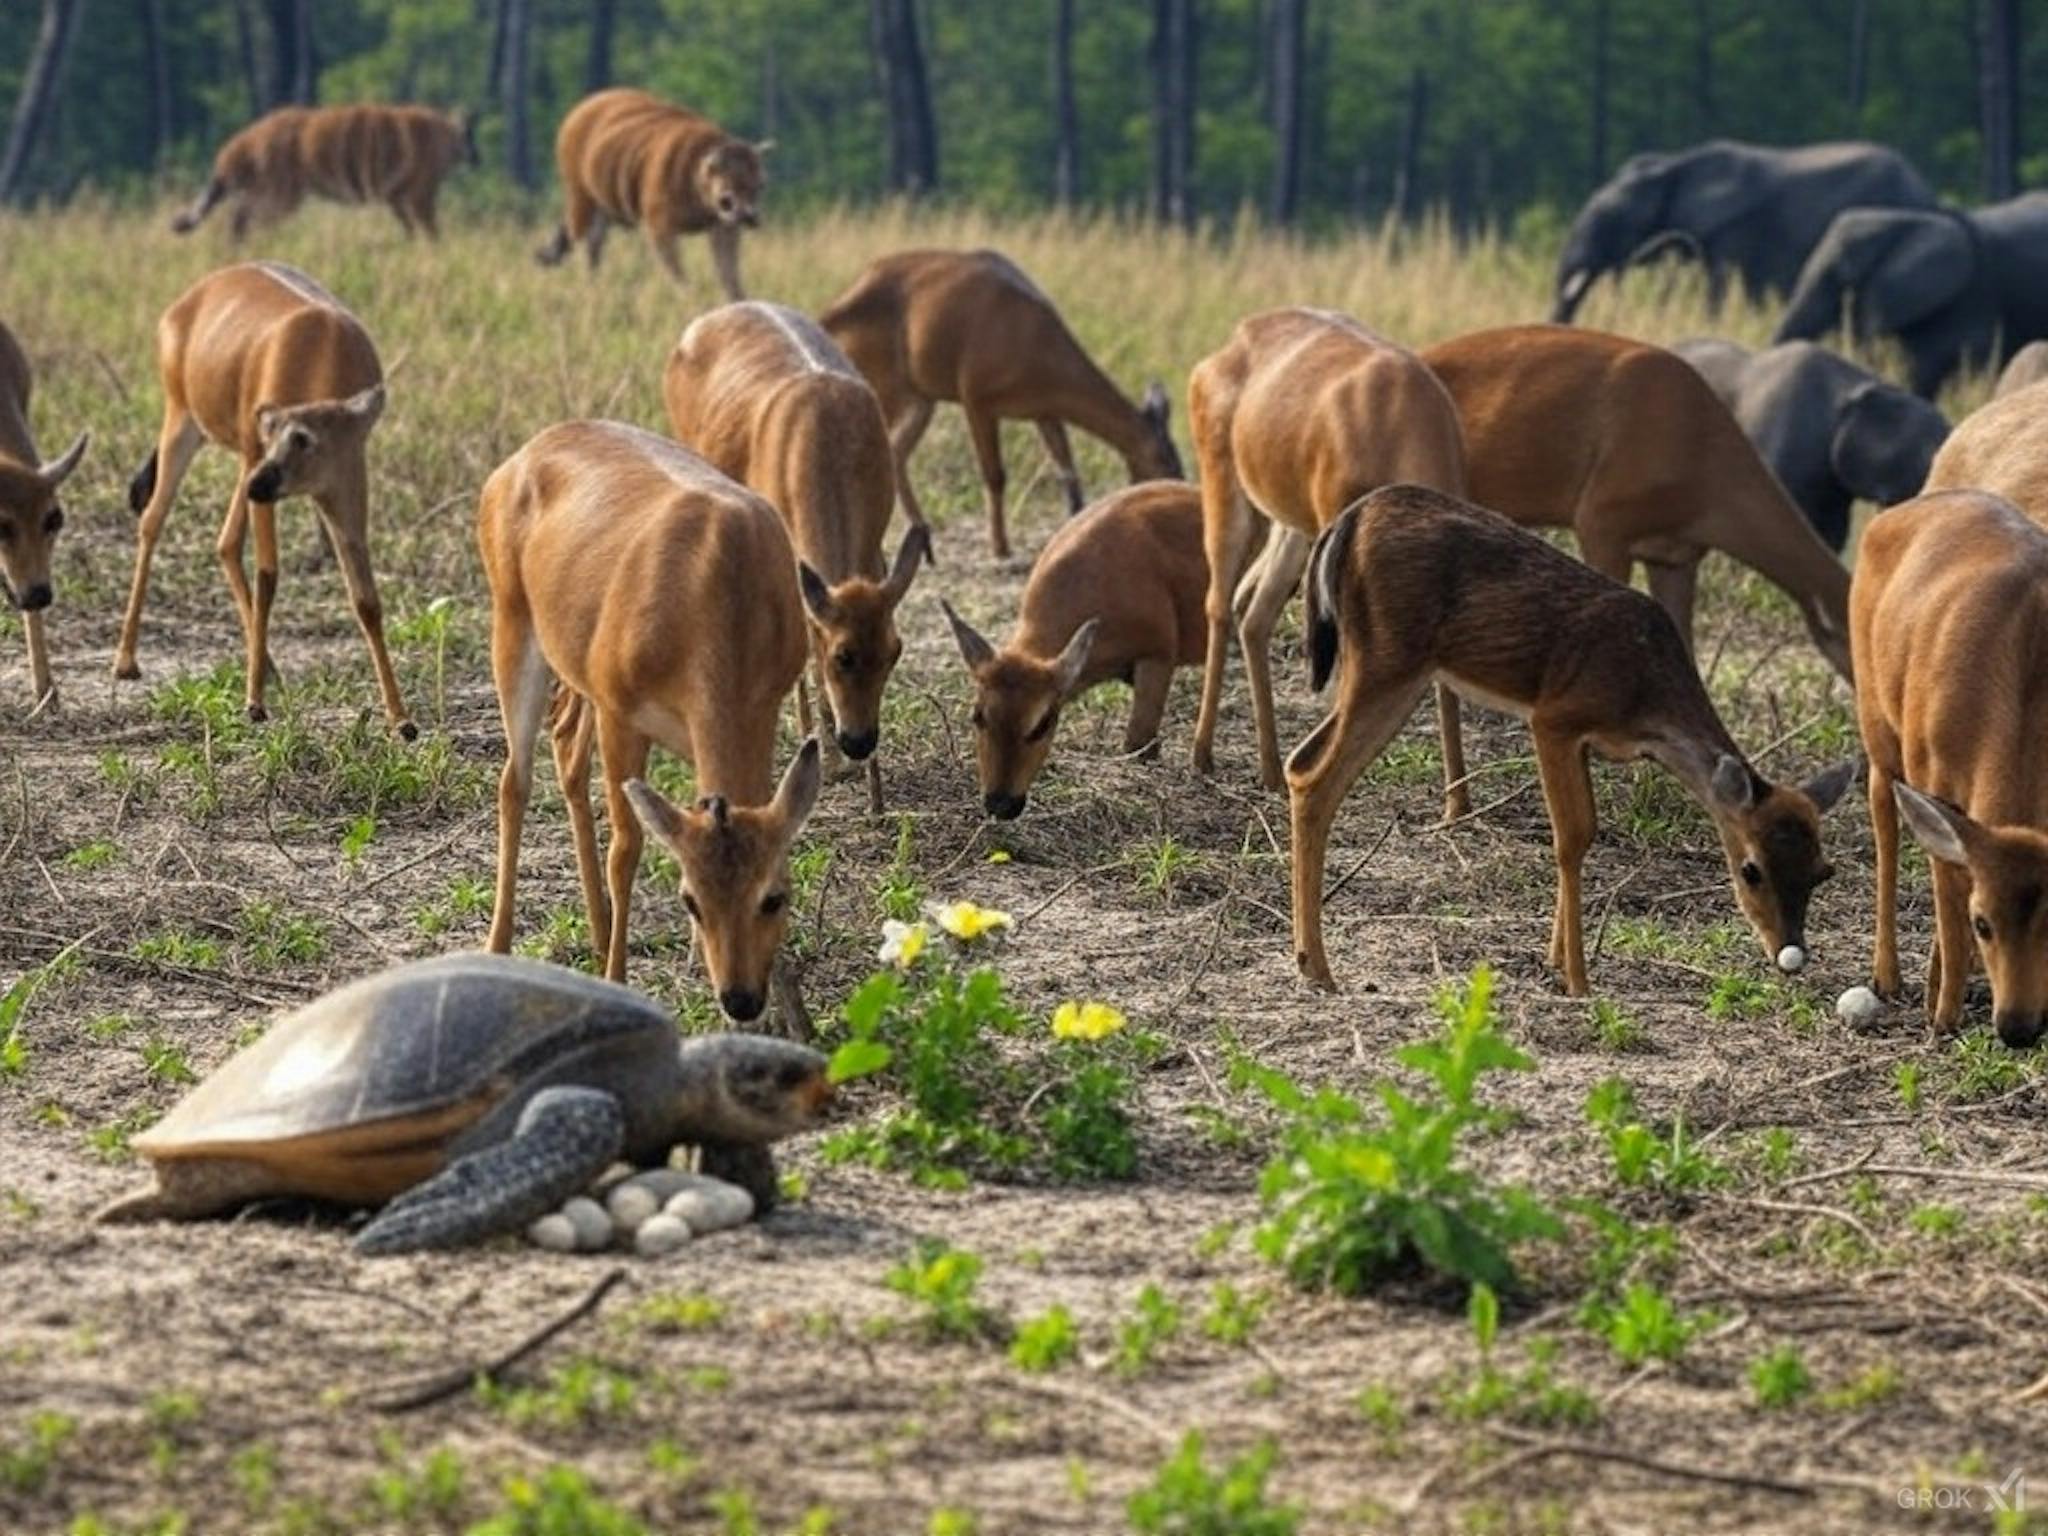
(1410, 585)
(630, 158)
(926, 326)
(1116, 593)
(1299, 414)
(662, 596)
(365, 153)
(1949, 619)
(2001, 447)
(1625, 444)
(30, 517)
(264, 361)
(763, 395)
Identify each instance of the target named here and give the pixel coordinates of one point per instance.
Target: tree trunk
(293, 77)
(771, 92)
(1859, 56)
(1596, 170)
(1998, 89)
(1703, 67)
(494, 63)
(1290, 28)
(514, 86)
(38, 92)
(1173, 147)
(252, 71)
(162, 121)
(1408, 160)
(597, 63)
(1066, 120)
(913, 133)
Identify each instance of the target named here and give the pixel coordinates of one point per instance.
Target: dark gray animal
(1833, 433)
(1746, 209)
(472, 1093)
(2029, 365)
(1955, 288)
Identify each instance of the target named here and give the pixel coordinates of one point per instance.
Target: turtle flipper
(750, 1167)
(566, 1137)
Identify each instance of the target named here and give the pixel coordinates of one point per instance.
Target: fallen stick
(1690, 1471)
(2018, 1179)
(446, 1384)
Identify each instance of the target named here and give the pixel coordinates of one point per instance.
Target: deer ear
(269, 421)
(974, 650)
(910, 554)
(58, 470)
(1940, 828)
(1824, 789)
(654, 809)
(1733, 785)
(366, 405)
(798, 791)
(1067, 670)
(817, 596)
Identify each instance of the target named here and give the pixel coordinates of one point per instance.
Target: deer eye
(690, 906)
(1044, 727)
(1983, 926)
(773, 903)
(844, 659)
(1751, 875)
(299, 439)
(54, 523)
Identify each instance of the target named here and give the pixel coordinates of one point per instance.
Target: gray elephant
(1830, 431)
(1748, 209)
(2029, 365)
(1955, 288)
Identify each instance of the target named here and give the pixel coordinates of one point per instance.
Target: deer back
(1134, 561)
(2001, 447)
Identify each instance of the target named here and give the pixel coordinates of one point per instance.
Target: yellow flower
(902, 943)
(1086, 1021)
(968, 922)
(999, 856)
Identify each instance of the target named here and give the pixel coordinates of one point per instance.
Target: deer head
(1771, 836)
(30, 520)
(313, 449)
(854, 625)
(1017, 702)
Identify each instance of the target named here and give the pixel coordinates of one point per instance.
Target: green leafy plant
(1138, 1340)
(941, 1280)
(1186, 1498)
(1645, 1324)
(96, 854)
(1351, 1204)
(356, 841)
(1642, 1158)
(1045, 1342)
(1779, 1379)
(1616, 1029)
(1232, 1314)
(25, 1466)
(560, 1502)
(578, 1392)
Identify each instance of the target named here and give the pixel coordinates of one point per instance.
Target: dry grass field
(1760, 1332)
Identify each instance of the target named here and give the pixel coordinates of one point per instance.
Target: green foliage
(1045, 1342)
(1616, 1029)
(941, 1280)
(1642, 1158)
(1188, 1499)
(1232, 1314)
(899, 895)
(25, 1463)
(579, 1392)
(1779, 1379)
(1351, 1204)
(433, 1489)
(1156, 1322)
(560, 1502)
(96, 854)
(356, 841)
(1645, 1324)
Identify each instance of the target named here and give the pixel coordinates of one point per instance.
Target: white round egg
(631, 1203)
(1859, 1007)
(554, 1232)
(661, 1233)
(1791, 959)
(593, 1226)
(711, 1205)
(663, 1183)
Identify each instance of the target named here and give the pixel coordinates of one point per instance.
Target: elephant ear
(1909, 266)
(1713, 189)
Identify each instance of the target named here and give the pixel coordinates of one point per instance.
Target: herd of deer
(647, 590)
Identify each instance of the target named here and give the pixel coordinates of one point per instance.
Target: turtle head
(749, 1090)
(735, 865)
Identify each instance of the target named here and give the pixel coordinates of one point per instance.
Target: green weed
(1045, 1342)
(941, 1280)
(1643, 1158)
(1779, 1379)
(1186, 1497)
(1156, 1323)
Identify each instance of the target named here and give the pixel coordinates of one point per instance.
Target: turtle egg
(631, 1203)
(555, 1232)
(661, 1233)
(712, 1205)
(593, 1227)
(663, 1183)
(1791, 959)
(1859, 1007)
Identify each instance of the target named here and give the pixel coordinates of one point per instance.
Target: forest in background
(1308, 111)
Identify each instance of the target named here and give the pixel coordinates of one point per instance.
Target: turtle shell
(438, 1042)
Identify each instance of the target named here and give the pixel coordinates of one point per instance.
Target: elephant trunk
(1815, 308)
(1571, 292)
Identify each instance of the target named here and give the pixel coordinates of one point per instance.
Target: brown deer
(2001, 447)
(630, 158)
(1949, 619)
(662, 597)
(969, 326)
(30, 516)
(1116, 593)
(264, 361)
(1299, 414)
(1625, 444)
(1410, 586)
(763, 395)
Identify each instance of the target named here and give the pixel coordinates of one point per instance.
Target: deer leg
(574, 718)
(625, 757)
(1884, 827)
(1457, 795)
(1054, 433)
(425, 213)
(520, 673)
(906, 429)
(346, 529)
(1954, 948)
(985, 429)
(1150, 681)
(1320, 772)
(175, 446)
(234, 535)
(1226, 535)
(40, 684)
(1568, 792)
(1610, 557)
(263, 515)
(593, 239)
(666, 248)
(1279, 572)
(725, 256)
(1673, 587)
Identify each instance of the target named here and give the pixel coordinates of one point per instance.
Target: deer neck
(1090, 402)
(1688, 740)
(1764, 530)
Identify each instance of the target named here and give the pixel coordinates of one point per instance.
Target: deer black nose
(1003, 805)
(741, 1005)
(264, 484)
(2019, 1030)
(37, 596)
(860, 745)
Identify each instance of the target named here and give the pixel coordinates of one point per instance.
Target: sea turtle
(473, 1093)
